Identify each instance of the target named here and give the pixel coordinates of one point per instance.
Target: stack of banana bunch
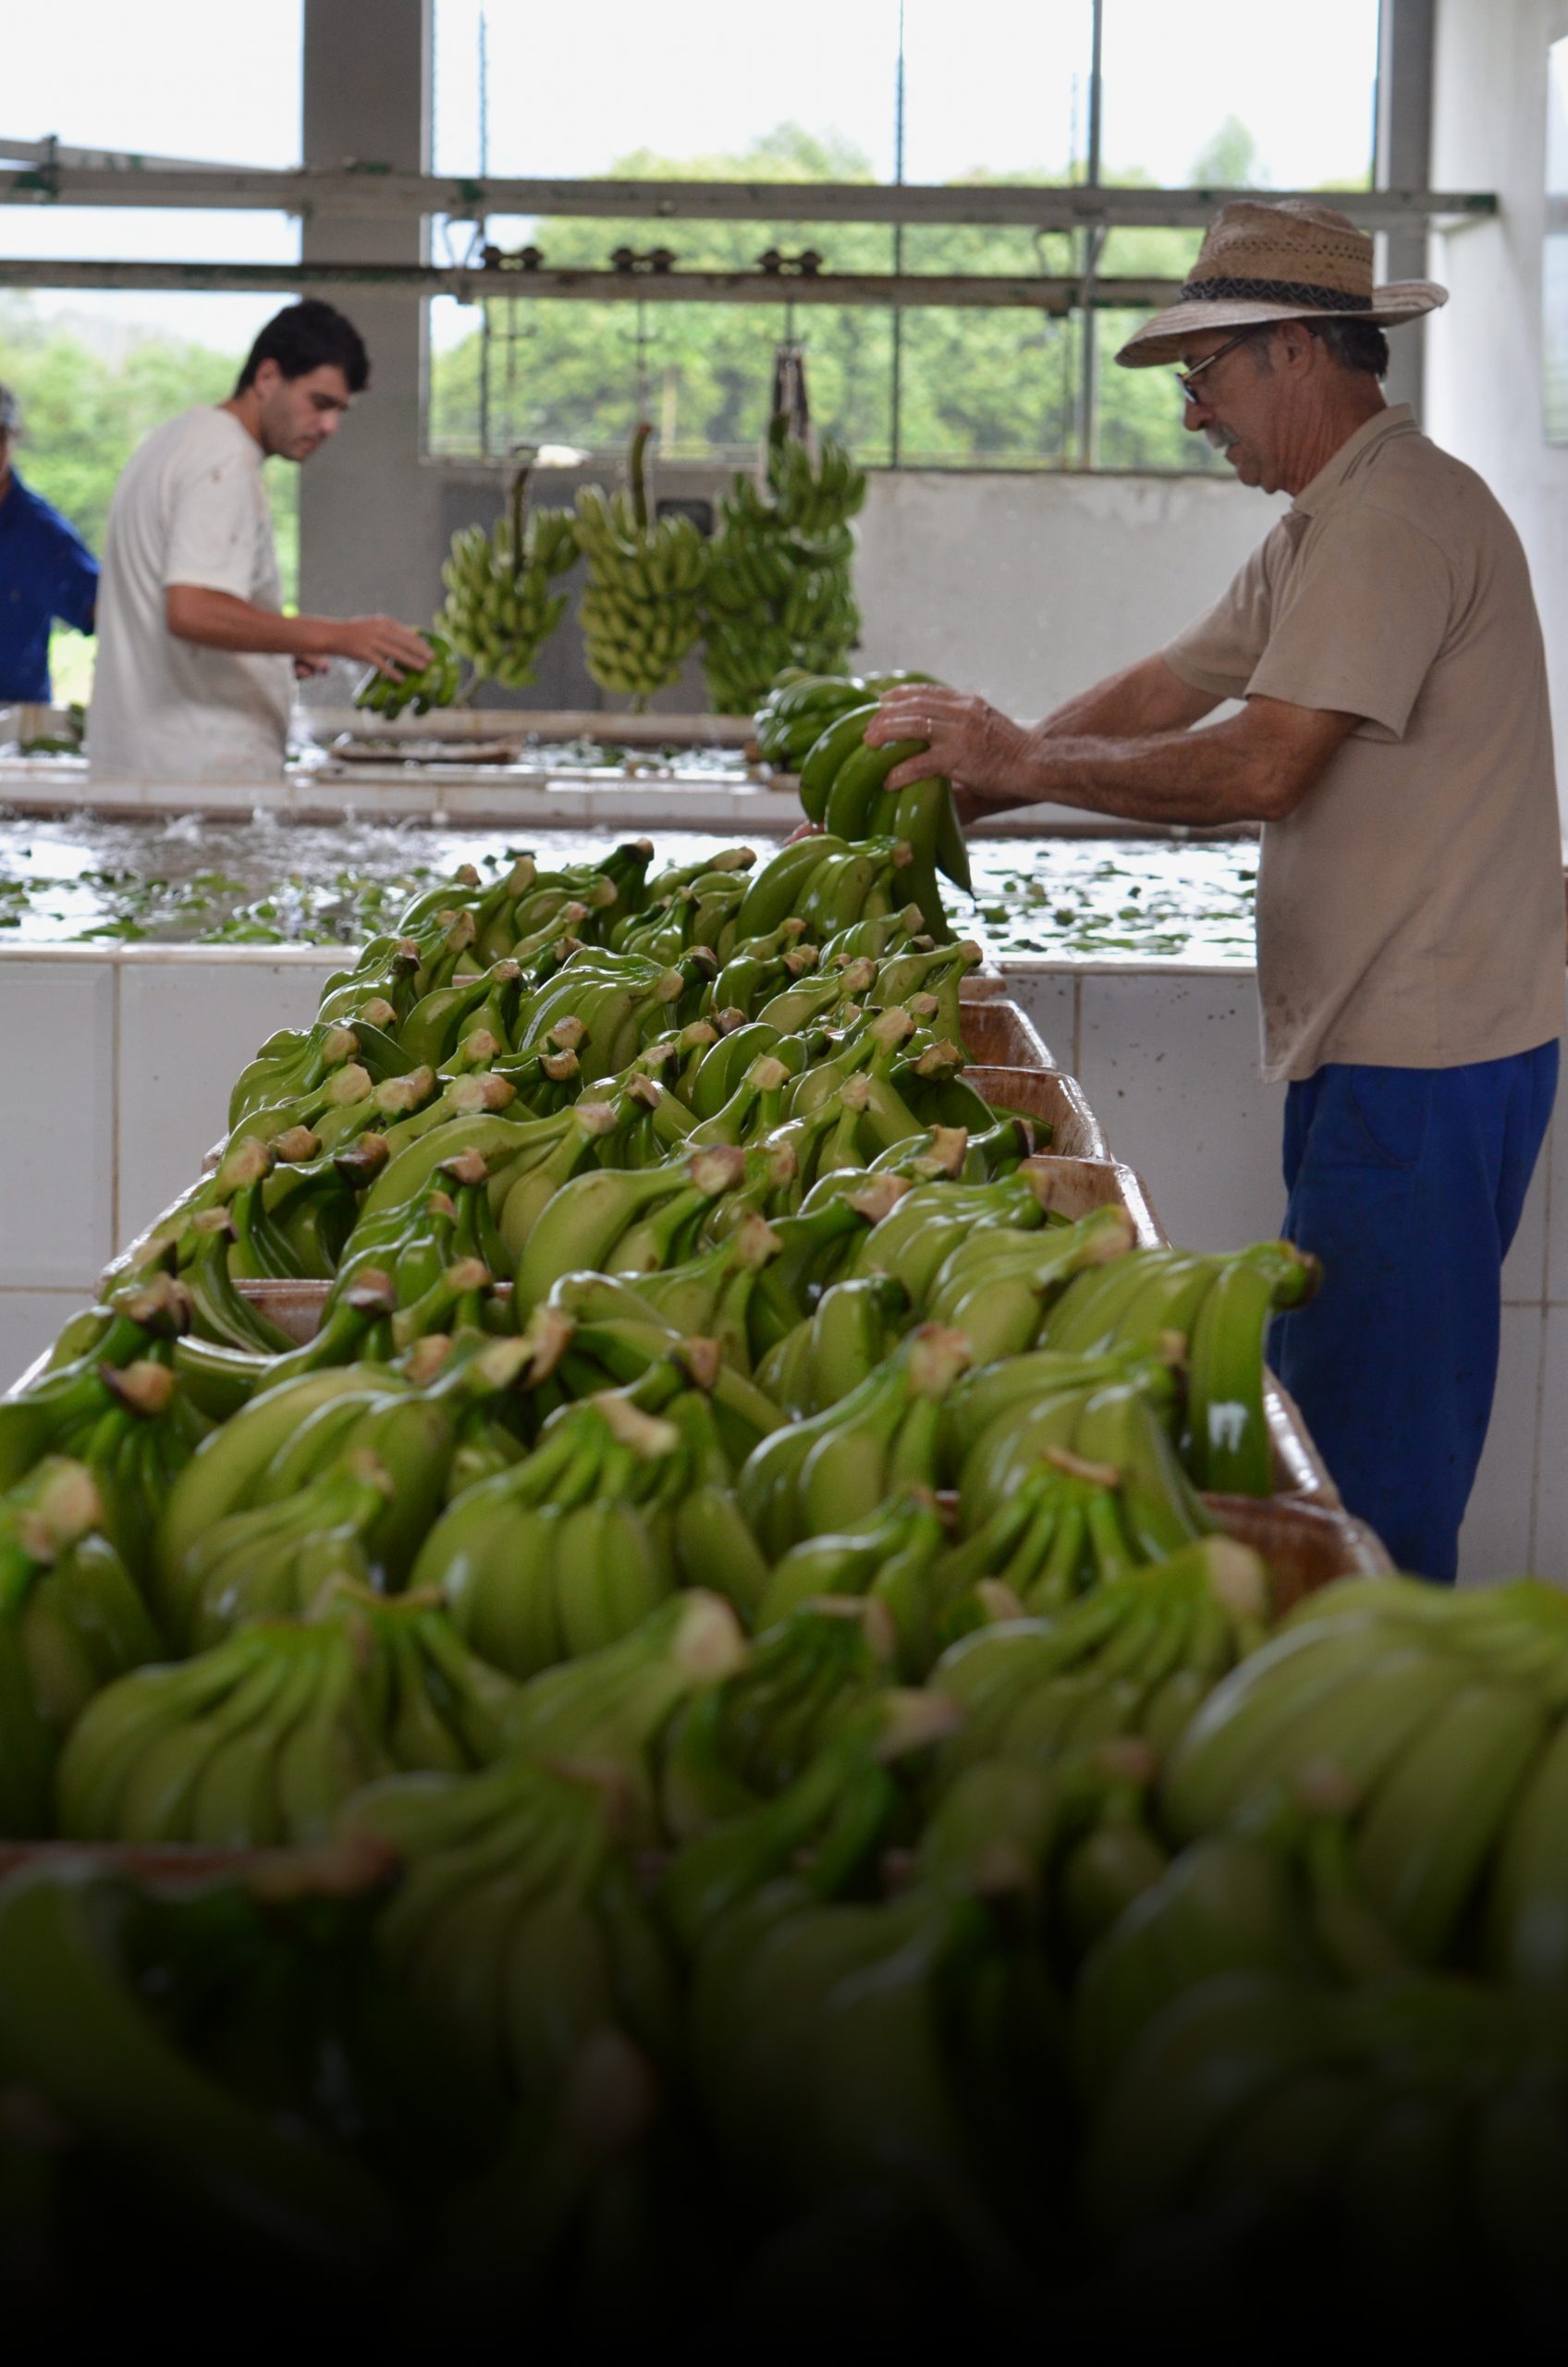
(420, 689)
(779, 591)
(741, 1551)
(642, 612)
(499, 609)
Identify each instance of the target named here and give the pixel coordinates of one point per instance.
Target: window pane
(986, 390)
(996, 90)
(576, 375)
(1141, 410)
(153, 80)
(1266, 95)
(595, 88)
(158, 78)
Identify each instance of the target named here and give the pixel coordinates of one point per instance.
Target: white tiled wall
(179, 1052)
(119, 1065)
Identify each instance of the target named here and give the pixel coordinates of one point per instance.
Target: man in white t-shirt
(196, 661)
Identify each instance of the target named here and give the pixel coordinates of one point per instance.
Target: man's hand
(981, 751)
(305, 667)
(383, 643)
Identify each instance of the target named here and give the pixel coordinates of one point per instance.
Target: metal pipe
(977, 290)
(1094, 239)
(896, 388)
(370, 188)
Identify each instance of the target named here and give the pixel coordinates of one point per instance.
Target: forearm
(218, 620)
(1142, 699)
(1196, 779)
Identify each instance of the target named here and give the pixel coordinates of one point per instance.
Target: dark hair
(1357, 345)
(307, 336)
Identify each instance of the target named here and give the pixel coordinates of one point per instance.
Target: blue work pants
(1408, 1183)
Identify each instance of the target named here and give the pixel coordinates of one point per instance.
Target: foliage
(85, 408)
(978, 387)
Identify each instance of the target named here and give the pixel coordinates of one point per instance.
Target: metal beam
(973, 290)
(373, 189)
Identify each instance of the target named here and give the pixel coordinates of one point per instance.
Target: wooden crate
(1048, 1095)
(999, 1033)
(1306, 1544)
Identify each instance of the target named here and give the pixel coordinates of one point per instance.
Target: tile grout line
(1537, 1440)
(1533, 1531)
(114, 1121)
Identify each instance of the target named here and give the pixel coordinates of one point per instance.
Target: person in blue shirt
(47, 573)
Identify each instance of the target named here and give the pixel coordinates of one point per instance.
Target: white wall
(1484, 348)
(1027, 588)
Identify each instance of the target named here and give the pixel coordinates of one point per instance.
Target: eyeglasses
(1185, 379)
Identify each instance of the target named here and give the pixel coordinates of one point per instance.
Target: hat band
(1272, 291)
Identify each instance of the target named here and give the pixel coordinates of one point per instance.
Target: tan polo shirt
(1410, 911)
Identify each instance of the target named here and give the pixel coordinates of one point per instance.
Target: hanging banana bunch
(780, 590)
(642, 611)
(500, 609)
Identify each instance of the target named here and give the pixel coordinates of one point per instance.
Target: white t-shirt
(190, 508)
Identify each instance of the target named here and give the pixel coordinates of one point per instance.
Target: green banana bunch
(927, 1223)
(1135, 1657)
(518, 1924)
(707, 1297)
(500, 609)
(263, 1738)
(94, 1966)
(616, 1338)
(997, 1285)
(1071, 1844)
(819, 1475)
(1442, 1718)
(421, 688)
(1117, 1414)
(411, 1422)
(71, 1621)
(851, 1329)
(570, 1549)
(813, 499)
(801, 705)
(615, 1222)
(818, 2048)
(803, 1681)
(131, 1424)
(1416, 2126)
(642, 612)
(778, 591)
(887, 1555)
(609, 1708)
(825, 1807)
(1220, 1307)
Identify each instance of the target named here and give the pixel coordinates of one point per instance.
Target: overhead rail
(43, 174)
(468, 284)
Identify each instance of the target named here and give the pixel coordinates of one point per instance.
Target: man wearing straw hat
(1394, 742)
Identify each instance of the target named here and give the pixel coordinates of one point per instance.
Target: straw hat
(1296, 260)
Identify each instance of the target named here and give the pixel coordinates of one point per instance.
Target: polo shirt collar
(1398, 419)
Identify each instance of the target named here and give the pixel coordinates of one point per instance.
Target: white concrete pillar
(369, 510)
(1405, 41)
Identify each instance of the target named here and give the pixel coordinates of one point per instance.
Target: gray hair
(10, 412)
(1355, 345)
